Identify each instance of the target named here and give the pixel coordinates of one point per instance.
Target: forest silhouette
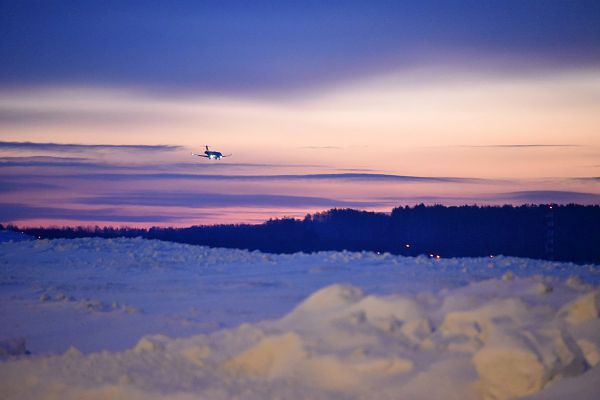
(553, 232)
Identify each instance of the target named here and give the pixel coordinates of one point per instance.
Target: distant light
(407, 245)
(431, 255)
(438, 257)
(491, 256)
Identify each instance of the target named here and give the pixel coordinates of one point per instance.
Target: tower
(549, 242)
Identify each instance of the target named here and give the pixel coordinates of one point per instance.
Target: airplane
(212, 155)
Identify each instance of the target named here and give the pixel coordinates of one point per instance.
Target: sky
(361, 104)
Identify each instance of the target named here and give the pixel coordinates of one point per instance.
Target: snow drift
(457, 329)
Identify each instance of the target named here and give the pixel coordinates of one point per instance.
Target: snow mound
(341, 343)
(138, 319)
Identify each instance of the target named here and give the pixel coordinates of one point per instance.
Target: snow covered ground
(139, 319)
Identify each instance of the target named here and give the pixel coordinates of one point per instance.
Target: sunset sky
(360, 104)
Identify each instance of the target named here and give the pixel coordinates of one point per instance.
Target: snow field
(331, 325)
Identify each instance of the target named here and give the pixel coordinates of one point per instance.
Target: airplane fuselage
(213, 155)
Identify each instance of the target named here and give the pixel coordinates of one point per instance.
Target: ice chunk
(271, 357)
(150, 343)
(330, 298)
(583, 387)
(197, 354)
(519, 363)
(590, 351)
(584, 308)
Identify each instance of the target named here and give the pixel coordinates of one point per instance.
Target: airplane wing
(199, 155)
(228, 155)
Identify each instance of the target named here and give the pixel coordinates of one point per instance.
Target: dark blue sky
(246, 46)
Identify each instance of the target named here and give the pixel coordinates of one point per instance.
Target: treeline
(559, 232)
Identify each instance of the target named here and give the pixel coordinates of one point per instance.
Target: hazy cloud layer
(57, 163)
(71, 147)
(218, 200)
(47, 159)
(520, 146)
(359, 177)
(322, 147)
(519, 197)
(552, 196)
(83, 162)
(17, 186)
(105, 117)
(15, 212)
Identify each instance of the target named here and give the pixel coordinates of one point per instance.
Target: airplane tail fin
(206, 147)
